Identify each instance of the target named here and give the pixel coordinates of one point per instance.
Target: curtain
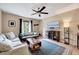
(31, 26)
(20, 26)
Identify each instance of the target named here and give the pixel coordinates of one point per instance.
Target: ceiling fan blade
(34, 10)
(34, 13)
(43, 12)
(42, 8)
(38, 8)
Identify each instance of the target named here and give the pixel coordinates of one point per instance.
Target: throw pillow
(1, 39)
(11, 35)
(3, 36)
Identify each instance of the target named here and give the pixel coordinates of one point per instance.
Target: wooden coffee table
(34, 44)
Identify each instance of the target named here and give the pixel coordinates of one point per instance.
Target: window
(26, 26)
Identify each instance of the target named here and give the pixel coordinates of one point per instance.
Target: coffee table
(34, 44)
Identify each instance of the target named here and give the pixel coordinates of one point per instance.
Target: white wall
(41, 27)
(36, 28)
(7, 16)
(5, 19)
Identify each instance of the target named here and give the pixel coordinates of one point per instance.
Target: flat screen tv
(54, 25)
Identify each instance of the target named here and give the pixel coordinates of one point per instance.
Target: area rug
(49, 48)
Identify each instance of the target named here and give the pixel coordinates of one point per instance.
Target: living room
(58, 25)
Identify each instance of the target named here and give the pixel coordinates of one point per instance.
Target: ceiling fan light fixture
(40, 11)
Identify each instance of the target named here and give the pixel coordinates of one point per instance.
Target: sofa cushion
(16, 42)
(29, 33)
(24, 34)
(5, 45)
(1, 38)
(36, 33)
(12, 44)
(16, 39)
(10, 35)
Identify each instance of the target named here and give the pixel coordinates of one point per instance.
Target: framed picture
(36, 24)
(11, 23)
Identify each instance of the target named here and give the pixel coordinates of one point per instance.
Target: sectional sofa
(10, 45)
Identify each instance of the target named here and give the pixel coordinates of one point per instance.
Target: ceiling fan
(40, 11)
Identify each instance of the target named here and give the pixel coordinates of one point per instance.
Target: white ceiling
(25, 9)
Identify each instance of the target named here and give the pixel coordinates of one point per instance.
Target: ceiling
(25, 9)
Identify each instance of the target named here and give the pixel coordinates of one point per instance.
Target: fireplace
(54, 35)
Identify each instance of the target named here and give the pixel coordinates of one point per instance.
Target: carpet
(49, 48)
